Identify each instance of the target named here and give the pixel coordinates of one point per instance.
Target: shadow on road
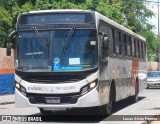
(124, 103)
(153, 88)
(83, 115)
(157, 108)
(72, 116)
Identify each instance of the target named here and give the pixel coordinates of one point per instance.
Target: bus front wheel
(107, 109)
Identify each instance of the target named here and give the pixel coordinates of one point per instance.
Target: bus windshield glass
(153, 74)
(34, 55)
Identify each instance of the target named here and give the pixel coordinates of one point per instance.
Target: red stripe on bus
(135, 66)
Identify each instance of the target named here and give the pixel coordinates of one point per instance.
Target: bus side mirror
(8, 49)
(9, 44)
(105, 42)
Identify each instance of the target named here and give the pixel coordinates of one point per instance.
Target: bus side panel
(104, 82)
(142, 75)
(122, 75)
(119, 71)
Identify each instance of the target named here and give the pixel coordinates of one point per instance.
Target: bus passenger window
(142, 50)
(130, 44)
(133, 48)
(125, 45)
(138, 49)
(120, 43)
(144, 46)
(117, 42)
(114, 43)
(128, 47)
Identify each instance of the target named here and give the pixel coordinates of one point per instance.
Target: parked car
(153, 79)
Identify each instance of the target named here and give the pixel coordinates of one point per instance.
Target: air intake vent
(55, 79)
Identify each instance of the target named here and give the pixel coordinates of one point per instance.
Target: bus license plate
(53, 100)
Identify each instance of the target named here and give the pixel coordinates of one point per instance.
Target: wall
(153, 66)
(6, 72)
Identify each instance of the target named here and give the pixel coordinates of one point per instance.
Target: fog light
(92, 85)
(18, 85)
(85, 89)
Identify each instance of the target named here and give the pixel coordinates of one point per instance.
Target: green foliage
(5, 25)
(154, 48)
(132, 14)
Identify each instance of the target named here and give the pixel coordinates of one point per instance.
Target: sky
(154, 7)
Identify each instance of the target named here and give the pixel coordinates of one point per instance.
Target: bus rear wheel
(134, 98)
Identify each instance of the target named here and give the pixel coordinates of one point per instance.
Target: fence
(6, 72)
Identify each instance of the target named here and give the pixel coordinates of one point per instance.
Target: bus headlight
(18, 86)
(21, 88)
(92, 85)
(88, 87)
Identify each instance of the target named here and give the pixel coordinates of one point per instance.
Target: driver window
(104, 40)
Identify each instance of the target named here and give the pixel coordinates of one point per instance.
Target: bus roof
(99, 17)
(59, 10)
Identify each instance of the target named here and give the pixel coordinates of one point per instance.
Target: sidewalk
(155, 122)
(7, 99)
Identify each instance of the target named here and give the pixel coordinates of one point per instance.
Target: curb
(4, 103)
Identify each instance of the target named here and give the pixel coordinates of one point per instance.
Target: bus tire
(44, 112)
(134, 99)
(107, 108)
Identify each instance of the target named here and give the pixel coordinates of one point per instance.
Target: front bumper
(153, 84)
(90, 99)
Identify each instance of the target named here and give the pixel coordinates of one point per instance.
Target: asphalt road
(148, 104)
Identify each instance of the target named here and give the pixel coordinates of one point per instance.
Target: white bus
(76, 59)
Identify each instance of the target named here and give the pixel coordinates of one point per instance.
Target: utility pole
(158, 15)
(158, 36)
(158, 50)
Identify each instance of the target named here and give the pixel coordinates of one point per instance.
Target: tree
(5, 26)
(132, 14)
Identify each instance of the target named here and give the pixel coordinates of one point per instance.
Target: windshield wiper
(40, 36)
(68, 40)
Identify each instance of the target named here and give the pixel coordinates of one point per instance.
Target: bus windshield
(34, 55)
